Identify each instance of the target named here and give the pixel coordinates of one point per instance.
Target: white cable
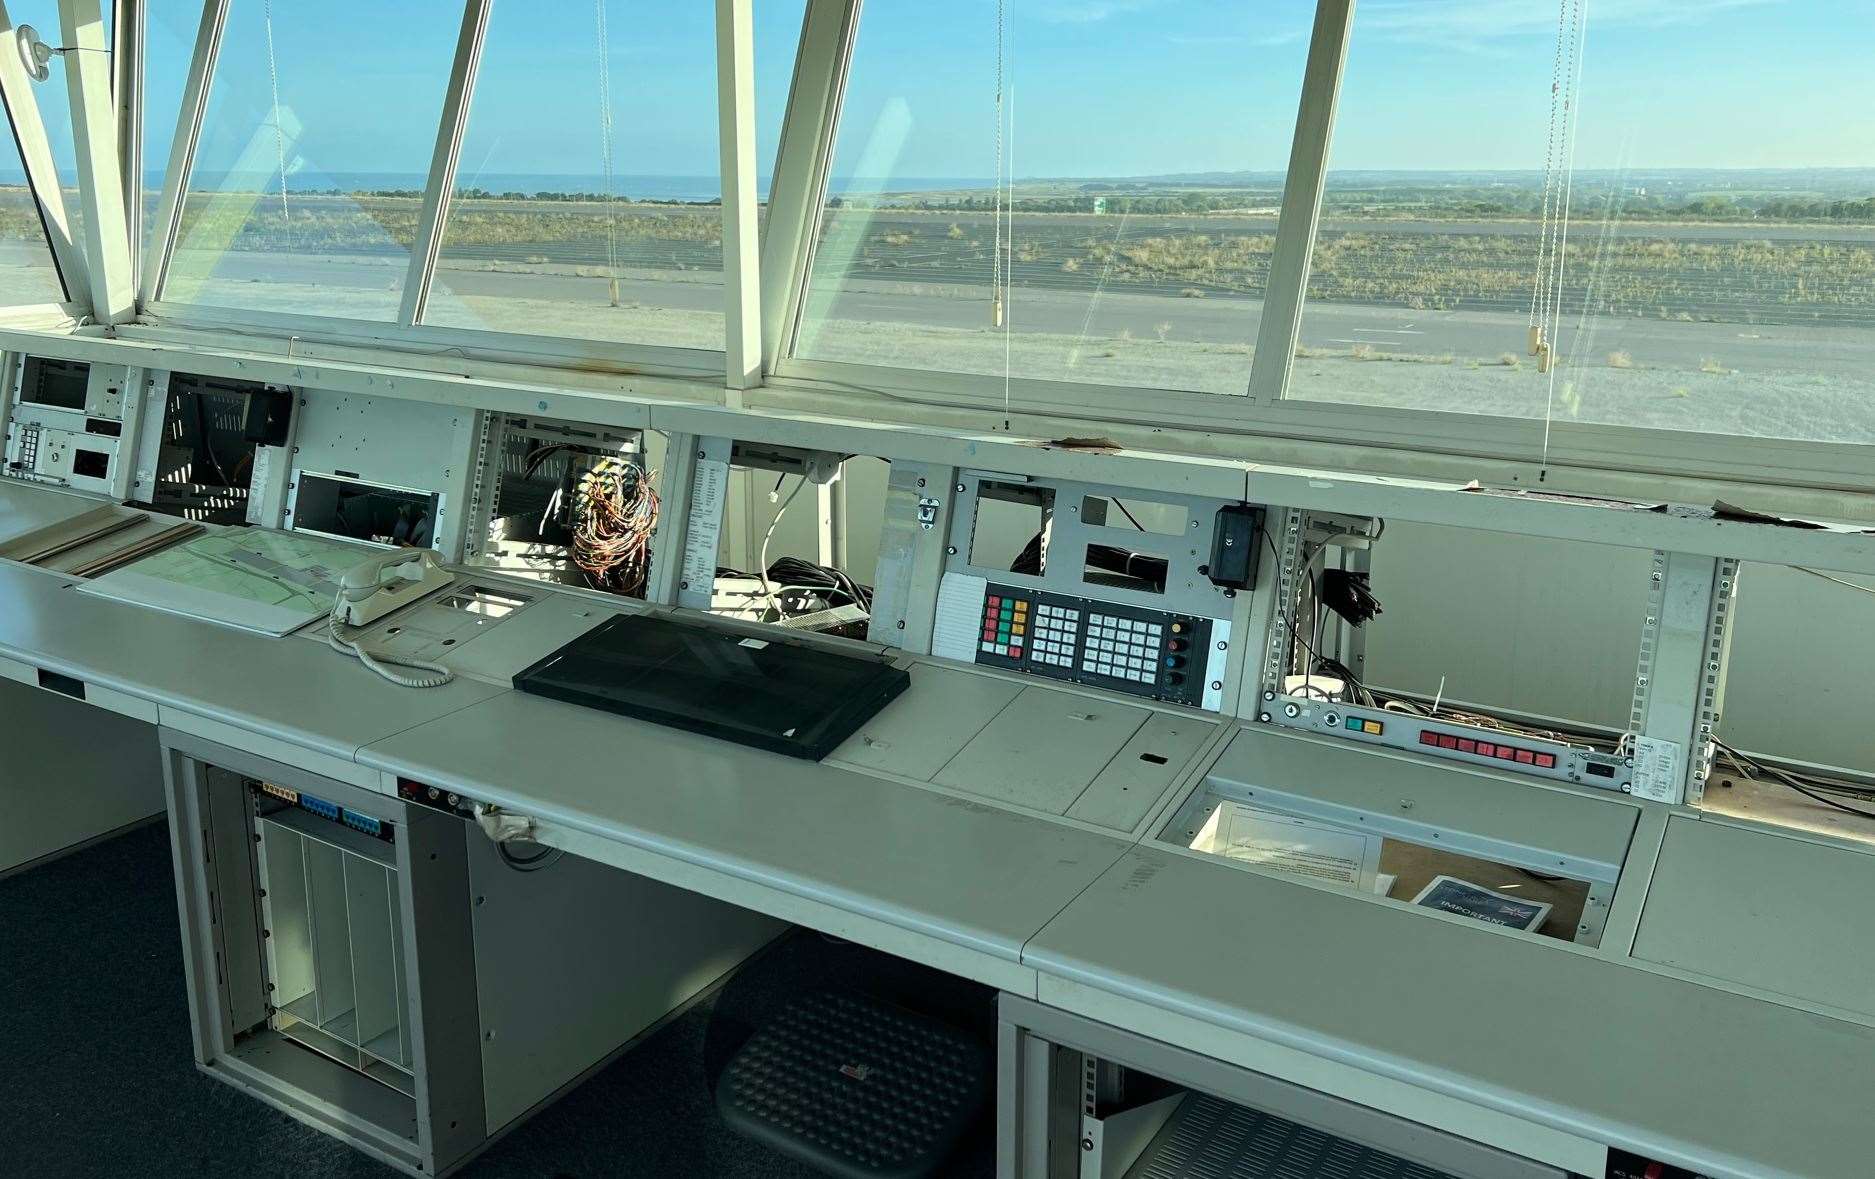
(761, 571)
(1839, 581)
(383, 664)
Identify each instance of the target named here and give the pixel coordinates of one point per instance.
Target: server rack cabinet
(375, 969)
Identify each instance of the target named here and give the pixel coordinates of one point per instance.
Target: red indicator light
(1506, 753)
(1428, 737)
(1447, 742)
(1525, 757)
(1486, 749)
(1467, 745)
(1546, 760)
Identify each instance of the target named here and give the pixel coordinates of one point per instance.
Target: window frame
(779, 267)
(406, 331)
(1266, 408)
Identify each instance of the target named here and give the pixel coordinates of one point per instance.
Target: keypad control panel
(1149, 653)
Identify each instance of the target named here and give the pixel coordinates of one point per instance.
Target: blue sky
(1098, 87)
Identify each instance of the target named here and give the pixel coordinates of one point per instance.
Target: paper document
(253, 578)
(1656, 769)
(1306, 848)
(704, 537)
(1451, 895)
(959, 617)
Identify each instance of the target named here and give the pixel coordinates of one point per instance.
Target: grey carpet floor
(96, 1076)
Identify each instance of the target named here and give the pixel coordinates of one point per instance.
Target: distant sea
(635, 187)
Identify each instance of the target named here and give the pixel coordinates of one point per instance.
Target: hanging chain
(1539, 289)
(605, 138)
(996, 199)
(279, 132)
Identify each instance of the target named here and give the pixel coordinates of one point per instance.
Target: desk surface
(955, 869)
(25, 508)
(1585, 1043)
(287, 689)
(1559, 1037)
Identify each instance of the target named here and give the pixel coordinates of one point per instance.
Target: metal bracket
(1289, 551)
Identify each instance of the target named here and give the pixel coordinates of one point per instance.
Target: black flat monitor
(777, 694)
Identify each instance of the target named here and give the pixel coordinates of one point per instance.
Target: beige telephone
(371, 589)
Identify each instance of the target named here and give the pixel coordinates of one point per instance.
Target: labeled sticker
(1656, 769)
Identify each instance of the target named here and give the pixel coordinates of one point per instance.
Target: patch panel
(320, 807)
(365, 823)
(280, 792)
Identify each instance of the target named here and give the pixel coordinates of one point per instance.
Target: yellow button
(1371, 727)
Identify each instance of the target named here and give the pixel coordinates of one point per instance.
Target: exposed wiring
(615, 514)
(1751, 769)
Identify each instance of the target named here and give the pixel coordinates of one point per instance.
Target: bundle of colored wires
(614, 516)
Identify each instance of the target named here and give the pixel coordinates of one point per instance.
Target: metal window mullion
(42, 176)
(100, 165)
(427, 247)
(795, 193)
(742, 260)
(1281, 325)
(130, 28)
(168, 223)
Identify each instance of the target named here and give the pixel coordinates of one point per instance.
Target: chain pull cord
(279, 132)
(605, 149)
(1539, 287)
(1578, 33)
(996, 199)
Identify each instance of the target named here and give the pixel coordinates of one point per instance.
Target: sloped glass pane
(1140, 149)
(314, 153)
(588, 200)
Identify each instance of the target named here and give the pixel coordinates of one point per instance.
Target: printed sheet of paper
(1449, 894)
(959, 617)
(708, 488)
(1656, 769)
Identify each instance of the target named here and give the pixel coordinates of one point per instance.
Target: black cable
(1116, 503)
(208, 445)
(1786, 779)
(1294, 635)
(548, 857)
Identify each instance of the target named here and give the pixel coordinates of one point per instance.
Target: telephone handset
(373, 588)
(370, 590)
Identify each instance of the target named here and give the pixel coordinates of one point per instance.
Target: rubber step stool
(856, 1087)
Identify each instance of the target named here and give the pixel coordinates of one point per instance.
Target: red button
(1546, 760)
(995, 601)
(1506, 753)
(1486, 749)
(1467, 745)
(1015, 652)
(1525, 756)
(1428, 737)
(1446, 741)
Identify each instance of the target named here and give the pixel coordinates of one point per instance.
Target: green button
(1354, 722)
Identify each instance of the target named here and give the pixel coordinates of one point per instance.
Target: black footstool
(856, 1087)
